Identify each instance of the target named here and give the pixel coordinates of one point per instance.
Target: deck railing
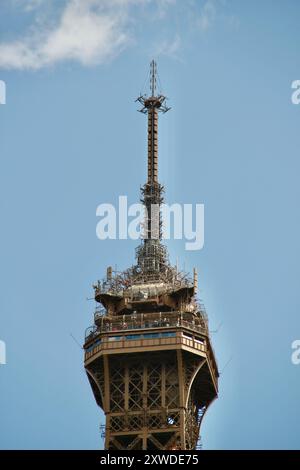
(107, 325)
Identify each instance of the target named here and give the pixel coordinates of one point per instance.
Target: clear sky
(71, 139)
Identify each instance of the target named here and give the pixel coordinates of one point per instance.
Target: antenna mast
(151, 255)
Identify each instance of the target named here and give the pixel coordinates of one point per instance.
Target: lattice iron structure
(148, 356)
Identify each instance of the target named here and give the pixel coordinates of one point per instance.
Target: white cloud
(93, 31)
(88, 31)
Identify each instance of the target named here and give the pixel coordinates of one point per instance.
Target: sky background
(71, 139)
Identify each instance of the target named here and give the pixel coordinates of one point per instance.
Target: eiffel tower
(148, 356)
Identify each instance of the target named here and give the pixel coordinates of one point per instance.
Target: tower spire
(152, 255)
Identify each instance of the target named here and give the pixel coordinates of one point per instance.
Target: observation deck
(137, 333)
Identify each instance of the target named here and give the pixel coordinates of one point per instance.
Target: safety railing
(155, 340)
(107, 324)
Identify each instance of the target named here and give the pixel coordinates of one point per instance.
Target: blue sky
(71, 139)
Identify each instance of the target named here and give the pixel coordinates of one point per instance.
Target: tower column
(106, 400)
(181, 398)
(144, 398)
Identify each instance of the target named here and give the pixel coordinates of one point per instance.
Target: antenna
(155, 101)
(77, 342)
